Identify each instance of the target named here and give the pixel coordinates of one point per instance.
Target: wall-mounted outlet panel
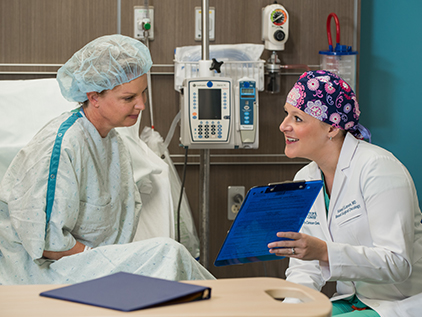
(235, 196)
(143, 21)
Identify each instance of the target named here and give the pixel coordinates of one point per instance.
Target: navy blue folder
(128, 292)
(265, 211)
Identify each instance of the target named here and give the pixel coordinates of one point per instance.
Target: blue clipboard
(265, 211)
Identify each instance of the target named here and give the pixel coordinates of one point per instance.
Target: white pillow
(25, 107)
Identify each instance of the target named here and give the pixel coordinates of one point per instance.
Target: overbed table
(229, 297)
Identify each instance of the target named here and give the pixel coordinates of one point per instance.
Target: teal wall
(390, 79)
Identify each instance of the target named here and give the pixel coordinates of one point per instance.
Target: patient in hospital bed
(69, 204)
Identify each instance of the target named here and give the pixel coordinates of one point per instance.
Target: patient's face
(121, 106)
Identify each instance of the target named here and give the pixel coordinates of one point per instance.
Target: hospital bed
(27, 105)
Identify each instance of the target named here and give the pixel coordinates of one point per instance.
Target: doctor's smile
(291, 140)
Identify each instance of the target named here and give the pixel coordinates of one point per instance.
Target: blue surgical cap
(103, 64)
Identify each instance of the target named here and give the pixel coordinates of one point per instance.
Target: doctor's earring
(331, 138)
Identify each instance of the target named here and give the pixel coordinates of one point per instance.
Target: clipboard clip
(287, 182)
(286, 185)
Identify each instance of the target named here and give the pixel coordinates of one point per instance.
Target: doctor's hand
(301, 246)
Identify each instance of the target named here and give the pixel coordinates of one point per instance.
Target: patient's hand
(79, 247)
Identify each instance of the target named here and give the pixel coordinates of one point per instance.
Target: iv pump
(219, 114)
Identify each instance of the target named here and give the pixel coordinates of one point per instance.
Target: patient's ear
(93, 98)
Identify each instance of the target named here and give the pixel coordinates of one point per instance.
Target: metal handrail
(60, 65)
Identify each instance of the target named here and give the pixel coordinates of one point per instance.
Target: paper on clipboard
(265, 211)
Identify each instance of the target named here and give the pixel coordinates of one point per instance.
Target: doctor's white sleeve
(306, 273)
(389, 197)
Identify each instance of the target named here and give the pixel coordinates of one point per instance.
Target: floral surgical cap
(103, 64)
(328, 98)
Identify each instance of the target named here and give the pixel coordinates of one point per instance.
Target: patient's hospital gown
(69, 184)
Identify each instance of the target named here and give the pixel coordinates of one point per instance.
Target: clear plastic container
(240, 60)
(232, 69)
(342, 65)
(341, 60)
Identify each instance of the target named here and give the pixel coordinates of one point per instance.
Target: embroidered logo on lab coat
(311, 219)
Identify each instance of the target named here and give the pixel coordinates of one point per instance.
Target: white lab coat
(373, 232)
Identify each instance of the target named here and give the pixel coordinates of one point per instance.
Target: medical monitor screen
(247, 91)
(209, 104)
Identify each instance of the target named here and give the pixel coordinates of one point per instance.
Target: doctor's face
(121, 106)
(305, 136)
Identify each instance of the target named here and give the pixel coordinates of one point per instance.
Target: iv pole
(204, 167)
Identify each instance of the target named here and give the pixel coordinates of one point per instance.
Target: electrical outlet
(235, 195)
(143, 21)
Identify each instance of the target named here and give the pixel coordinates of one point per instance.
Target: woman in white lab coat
(364, 230)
